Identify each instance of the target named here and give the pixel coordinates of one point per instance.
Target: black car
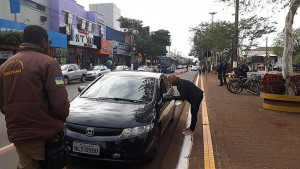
(120, 116)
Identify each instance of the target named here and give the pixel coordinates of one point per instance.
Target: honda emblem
(89, 132)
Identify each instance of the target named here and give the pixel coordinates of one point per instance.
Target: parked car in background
(73, 72)
(122, 67)
(120, 116)
(277, 68)
(194, 68)
(96, 71)
(143, 68)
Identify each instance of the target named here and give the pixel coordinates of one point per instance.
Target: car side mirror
(167, 97)
(80, 88)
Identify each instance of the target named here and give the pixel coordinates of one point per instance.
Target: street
(72, 89)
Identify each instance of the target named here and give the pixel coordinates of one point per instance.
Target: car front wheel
(83, 78)
(66, 80)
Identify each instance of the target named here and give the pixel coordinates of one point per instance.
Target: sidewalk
(245, 135)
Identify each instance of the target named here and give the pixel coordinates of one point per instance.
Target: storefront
(120, 53)
(82, 48)
(59, 40)
(103, 54)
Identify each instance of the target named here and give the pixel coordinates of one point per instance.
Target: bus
(167, 64)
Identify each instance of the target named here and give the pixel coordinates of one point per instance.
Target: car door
(71, 72)
(167, 108)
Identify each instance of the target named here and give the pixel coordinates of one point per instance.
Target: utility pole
(266, 57)
(212, 24)
(236, 29)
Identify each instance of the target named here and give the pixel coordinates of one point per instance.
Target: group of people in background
(223, 68)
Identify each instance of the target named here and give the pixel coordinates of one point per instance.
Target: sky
(178, 17)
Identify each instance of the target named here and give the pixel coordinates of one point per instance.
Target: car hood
(108, 114)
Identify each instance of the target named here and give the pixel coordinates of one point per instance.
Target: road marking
(6, 148)
(187, 144)
(209, 161)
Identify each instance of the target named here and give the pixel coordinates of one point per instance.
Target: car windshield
(138, 89)
(64, 67)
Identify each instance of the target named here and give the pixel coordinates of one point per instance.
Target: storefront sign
(5, 54)
(105, 47)
(82, 38)
(122, 49)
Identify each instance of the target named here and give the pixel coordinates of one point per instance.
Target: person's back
(33, 97)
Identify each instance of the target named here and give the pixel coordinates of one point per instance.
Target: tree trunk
(287, 68)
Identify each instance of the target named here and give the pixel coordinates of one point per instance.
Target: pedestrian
(190, 92)
(224, 72)
(34, 101)
(109, 63)
(187, 67)
(199, 70)
(203, 69)
(243, 69)
(220, 72)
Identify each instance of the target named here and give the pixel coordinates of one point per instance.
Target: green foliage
(296, 60)
(278, 44)
(11, 38)
(150, 45)
(254, 28)
(209, 37)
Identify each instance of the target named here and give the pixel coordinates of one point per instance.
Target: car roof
(136, 74)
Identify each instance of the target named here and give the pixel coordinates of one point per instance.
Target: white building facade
(110, 12)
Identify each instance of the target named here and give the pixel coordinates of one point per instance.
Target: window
(34, 5)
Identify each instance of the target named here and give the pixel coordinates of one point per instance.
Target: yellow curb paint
(281, 108)
(209, 161)
(280, 97)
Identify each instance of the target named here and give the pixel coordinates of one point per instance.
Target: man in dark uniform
(220, 72)
(243, 69)
(190, 92)
(224, 71)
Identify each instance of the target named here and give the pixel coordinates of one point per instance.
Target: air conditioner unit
(43, 18)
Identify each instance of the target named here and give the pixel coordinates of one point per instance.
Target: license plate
(86, 148)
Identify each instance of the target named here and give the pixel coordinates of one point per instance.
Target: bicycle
(252, 85)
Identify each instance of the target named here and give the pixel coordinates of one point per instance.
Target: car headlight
(130, 132)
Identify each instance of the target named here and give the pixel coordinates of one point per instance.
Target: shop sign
(5, 54)
(105, 47)
(122, 49)
(82, 38)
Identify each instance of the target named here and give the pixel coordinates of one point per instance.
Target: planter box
(281, 102)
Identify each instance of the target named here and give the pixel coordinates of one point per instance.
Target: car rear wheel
(66, 80)
(83, 78)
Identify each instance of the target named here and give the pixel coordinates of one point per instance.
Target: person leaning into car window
(190, 92)
(33, 98)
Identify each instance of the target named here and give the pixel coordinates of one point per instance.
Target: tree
(293, 5)
(278, 44)
(159, 41)
(11, 38)
(150, 45)
(211, 38)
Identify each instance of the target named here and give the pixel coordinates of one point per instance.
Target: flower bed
(272, 90)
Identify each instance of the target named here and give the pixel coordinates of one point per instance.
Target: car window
(71, 67)
(75, 67)
(108, 86)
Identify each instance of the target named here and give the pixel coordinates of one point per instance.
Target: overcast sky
(179, 16)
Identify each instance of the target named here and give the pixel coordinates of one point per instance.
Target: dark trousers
(194, 113)
(220, 78)
(224, 78)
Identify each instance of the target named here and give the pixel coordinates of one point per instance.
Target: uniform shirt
(33, 97)
(189, 91)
